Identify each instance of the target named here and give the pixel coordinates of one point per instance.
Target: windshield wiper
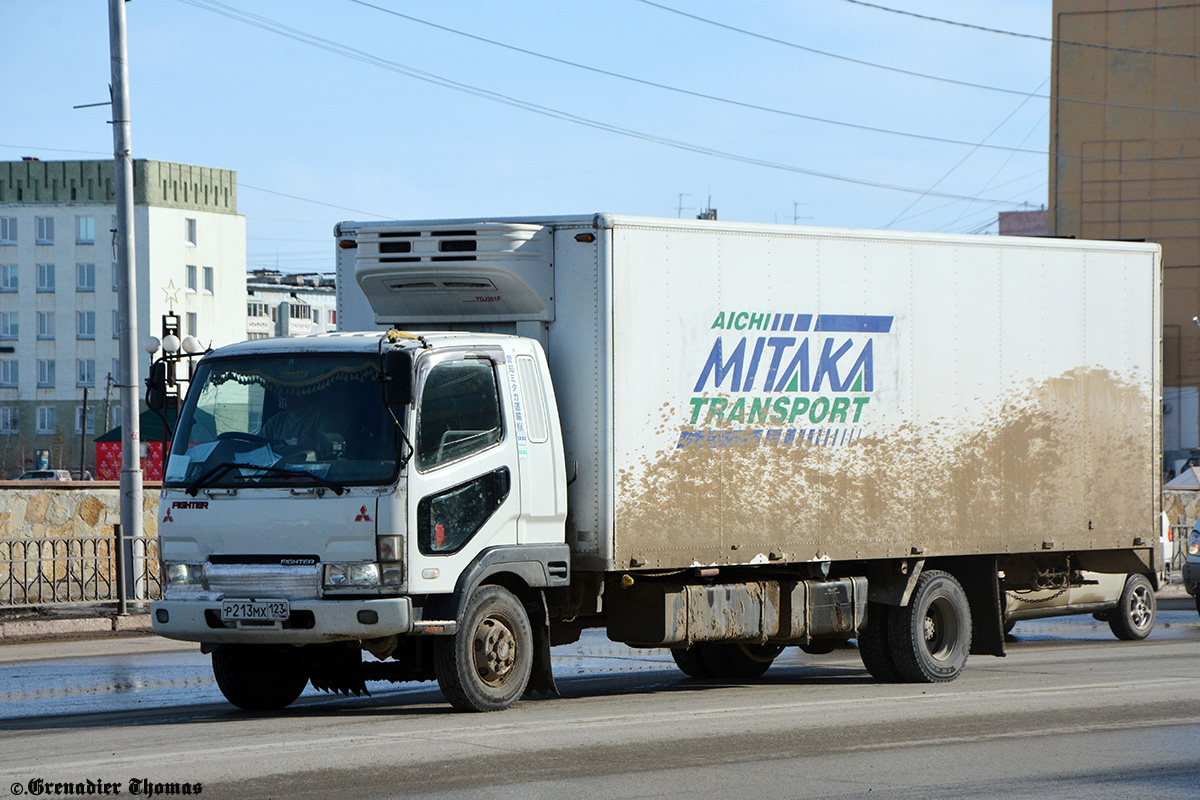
(220, 469)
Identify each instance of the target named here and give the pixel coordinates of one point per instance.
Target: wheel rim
(494, 650)
(1139, 607)
(940, 629)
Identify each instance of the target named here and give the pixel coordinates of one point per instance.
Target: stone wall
(90, 508)
(1182, 506)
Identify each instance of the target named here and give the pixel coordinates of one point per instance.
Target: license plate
(251, 610)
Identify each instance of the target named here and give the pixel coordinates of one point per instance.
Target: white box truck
(723, 439)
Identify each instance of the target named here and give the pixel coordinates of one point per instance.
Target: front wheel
(258, 678)
(931, 636)
(487, 664)
(1133, 618)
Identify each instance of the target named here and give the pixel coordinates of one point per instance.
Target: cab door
(462, 497)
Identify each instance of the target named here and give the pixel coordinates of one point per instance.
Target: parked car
(1125, 602)
(46, 475)
(1191, 565)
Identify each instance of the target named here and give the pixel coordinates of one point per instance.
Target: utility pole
(131, 436)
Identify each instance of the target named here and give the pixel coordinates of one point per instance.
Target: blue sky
(330, 122)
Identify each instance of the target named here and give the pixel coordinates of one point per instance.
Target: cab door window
(459, 413)
(447, 521)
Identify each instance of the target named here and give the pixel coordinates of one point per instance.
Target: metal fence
(1176, 555)
(73, 570)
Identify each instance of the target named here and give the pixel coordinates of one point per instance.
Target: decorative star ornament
(172, 293)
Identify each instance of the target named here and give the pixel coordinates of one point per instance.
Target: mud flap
(980, 582)
(340, 672)
(541, 679)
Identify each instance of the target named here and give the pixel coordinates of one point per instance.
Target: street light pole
(131, 437)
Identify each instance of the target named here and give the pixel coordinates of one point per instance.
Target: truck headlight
(339, 576)
(184, 574)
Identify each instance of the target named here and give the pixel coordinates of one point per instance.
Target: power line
(899, 71)
(688, 92)
(280, 29)
(1033, 36)
(961, 160)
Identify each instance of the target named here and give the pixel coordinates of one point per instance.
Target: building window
(9, 324)
(299, 311)
(45, 277)
(91, 419)
(85, 372)
(8, 230)
(114, 416)
(85, 230)
(45, 373)
(189, 231)
(45, 324)
(8, 372)
(208, 280)
(332, 317)
(190, 277)
(316, 316)
(191, 324)
(115, 376)
(116, 278)
(9, 278)
(45, 230)
(85, 277)
(116, 324)
(47, 419)
(85, 324)
(8, 420)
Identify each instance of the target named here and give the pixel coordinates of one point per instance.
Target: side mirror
(156, 386)
(397, 378)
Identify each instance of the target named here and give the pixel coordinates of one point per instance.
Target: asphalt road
(1071, 712)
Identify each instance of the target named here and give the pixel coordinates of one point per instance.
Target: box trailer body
(715, 437)
(741, 394)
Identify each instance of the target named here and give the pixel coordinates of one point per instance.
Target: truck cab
(337, 493)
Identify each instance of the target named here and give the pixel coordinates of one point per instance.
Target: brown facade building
(1125, 159)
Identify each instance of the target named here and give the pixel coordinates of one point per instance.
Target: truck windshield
(283, 420)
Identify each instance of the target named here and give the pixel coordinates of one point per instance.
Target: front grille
(265, 581)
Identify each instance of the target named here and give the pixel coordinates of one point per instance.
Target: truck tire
(819, 647)
(689, 661)
(873, 646)
(487, 664)
(257, 678)
(1198, 602)
(931, 636)
(736, 661)
(1133, 618)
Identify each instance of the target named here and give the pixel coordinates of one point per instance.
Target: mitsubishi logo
(167, 518)
(363, 516)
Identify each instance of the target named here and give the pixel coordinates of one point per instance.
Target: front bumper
(311, 621)
(1191, 576)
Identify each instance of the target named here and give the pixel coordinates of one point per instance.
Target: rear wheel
(258, 678)
(487, 664)
(819, 647)
(1133, 618)
(735, 661)
(931, 636)
(873, 645)
(688, 659)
